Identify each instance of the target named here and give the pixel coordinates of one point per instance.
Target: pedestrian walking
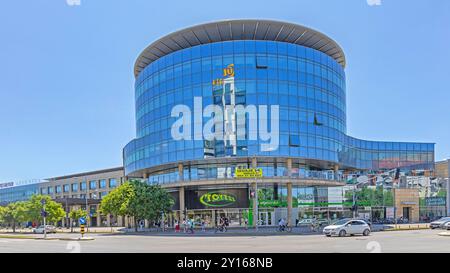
(184, 225)
(177, 227)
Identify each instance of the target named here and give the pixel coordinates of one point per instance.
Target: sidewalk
(232, 231)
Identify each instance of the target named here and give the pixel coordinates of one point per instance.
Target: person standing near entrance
(183, 225)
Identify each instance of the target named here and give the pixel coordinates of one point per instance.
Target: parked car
(439, 223)
(447, 226)
(48, 228)
(346, 227)
(305, 222)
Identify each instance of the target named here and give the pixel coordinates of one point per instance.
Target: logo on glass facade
(217, 199)
(226, 120)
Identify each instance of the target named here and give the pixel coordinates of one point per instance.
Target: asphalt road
(385, 242)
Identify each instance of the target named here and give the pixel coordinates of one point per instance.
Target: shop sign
(248, 173)
(435, 201)
(6, 185)
(410, 203)
(217, 199)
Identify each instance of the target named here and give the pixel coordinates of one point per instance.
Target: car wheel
(342, 233)
(328, 235)
(366, 232)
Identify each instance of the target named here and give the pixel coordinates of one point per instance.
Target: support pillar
(289, 204)
(289, 166)
(448, 197)
(336, 172)
(99, 217)
(255, 198)
(182, 204)
(181, 172)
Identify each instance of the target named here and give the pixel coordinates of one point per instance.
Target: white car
(347, 227)
(447, 226)
(48, 228)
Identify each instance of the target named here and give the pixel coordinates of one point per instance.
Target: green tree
(13, 214)
(55, 211)
(75, 215)
(138, 200)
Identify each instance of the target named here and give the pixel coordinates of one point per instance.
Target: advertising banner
(435, 201)
(248, 173)
(217, 199)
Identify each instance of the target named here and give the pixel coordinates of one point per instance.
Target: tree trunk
(71, 226)
(14, 226)
(135, 224)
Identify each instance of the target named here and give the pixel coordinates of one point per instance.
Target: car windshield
(445, 219)
(340, 222)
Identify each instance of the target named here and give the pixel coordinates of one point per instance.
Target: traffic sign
(43, 213)
(82, 221)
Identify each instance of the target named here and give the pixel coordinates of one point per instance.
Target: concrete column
(126, 221)
(289, 204)
(289, 166)
(213, 218)
(255, 201)
(99, 217)
(448, 198)
(146, 223)
(336, 172)
(182, 203)
(145, 176)
(180, 171)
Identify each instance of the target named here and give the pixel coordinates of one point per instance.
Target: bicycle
(221, 228)
(315, 227)
(285, 228)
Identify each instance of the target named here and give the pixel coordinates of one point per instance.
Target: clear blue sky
(66, 72)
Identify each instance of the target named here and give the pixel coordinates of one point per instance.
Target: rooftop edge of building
(239, 29)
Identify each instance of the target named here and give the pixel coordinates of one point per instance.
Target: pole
(45, 223)
(257, 209)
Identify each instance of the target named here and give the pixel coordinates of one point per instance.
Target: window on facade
(75, 187)
(66, 188)
(102, 183)
(112, 183)
(294, 141)
(103, 194)
(58, 189)
(83, 186)
(261, 62)
(50, 190)
(92, 185)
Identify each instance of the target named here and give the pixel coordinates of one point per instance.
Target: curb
(77, 239)
(446, 233)
(17, 237)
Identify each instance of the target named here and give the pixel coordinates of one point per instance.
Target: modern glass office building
(18, 191)
(253, 63)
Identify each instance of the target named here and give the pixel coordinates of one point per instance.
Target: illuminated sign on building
(6, 185)
(229, 71)
(217, 199)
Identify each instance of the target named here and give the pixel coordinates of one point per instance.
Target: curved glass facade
(308, 86)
